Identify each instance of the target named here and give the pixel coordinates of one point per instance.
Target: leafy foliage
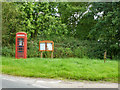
(10, 22)
(71, 25)
(64, 48)
(39, 19)
(107, 28)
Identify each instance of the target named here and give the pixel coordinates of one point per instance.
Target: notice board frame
(46, 41)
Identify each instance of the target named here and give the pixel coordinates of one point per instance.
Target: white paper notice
(49, 46)
(20, 43)
(42, 46)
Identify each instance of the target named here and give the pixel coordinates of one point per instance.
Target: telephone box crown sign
(21, 34)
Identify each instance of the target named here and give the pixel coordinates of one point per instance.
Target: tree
(39, 18)
(71, 13)
(10, 22)
(107, 29)
(84, 26)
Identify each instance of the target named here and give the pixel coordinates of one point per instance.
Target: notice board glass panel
(49, 46)
(42, 46)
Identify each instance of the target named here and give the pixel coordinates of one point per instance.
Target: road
(19, 82)
(15, 84)
(9, 81)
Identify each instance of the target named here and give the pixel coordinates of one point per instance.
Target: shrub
(64, 47)
(59, 52)
(8, 51)
(80, 52)
(32, 49)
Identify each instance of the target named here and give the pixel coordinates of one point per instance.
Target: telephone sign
(21, 45)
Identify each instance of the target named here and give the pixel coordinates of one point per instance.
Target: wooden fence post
(105, 53)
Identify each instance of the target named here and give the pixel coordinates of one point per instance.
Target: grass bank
(69, 68)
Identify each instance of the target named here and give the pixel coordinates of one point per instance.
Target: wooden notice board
(46, 45)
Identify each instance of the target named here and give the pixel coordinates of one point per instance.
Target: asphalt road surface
(9, 81)
(15, 84)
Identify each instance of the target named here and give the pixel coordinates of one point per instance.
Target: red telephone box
(21, 45)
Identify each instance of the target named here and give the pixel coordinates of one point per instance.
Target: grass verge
(67, 68)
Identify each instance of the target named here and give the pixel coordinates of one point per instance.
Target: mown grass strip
(67, 68)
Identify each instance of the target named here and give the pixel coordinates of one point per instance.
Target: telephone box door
(21, 45)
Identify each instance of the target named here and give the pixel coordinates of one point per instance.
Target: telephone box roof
(21, 33)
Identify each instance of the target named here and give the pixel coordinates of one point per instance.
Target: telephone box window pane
(42, 46)
(20, 49)
(20, 41)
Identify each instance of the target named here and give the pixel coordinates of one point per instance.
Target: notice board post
(46, 45)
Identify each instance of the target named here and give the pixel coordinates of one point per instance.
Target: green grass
(68, 68)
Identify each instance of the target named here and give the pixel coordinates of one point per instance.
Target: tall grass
(67, 68)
